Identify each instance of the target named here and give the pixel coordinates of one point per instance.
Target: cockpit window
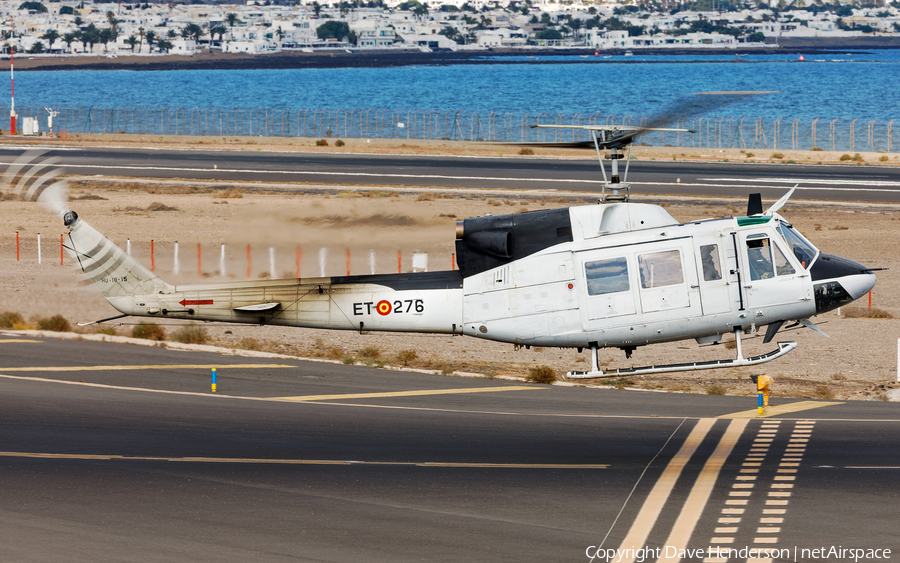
(802, 248)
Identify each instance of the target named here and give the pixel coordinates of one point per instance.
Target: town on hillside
(65, 28)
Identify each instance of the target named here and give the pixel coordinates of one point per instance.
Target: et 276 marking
(385, 307)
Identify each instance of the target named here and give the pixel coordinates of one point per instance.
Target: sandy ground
(859, 360)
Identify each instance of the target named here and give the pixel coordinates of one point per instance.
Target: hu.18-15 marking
(385, 307)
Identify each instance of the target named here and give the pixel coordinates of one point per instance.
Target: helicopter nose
(838, 281)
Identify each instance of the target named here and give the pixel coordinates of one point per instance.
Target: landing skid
(739, 361)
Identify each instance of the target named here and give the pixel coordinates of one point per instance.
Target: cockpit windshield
(802, 248)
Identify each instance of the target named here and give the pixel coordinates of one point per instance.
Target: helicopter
(617, 274)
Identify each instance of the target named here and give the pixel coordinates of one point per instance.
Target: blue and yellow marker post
(214, 380)
(763, 386)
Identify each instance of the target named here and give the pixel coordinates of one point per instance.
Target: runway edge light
(213, 380)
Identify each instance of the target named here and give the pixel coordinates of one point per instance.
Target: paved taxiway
(112, 452)
(821, 182)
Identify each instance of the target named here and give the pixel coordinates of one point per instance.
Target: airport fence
(742, 132)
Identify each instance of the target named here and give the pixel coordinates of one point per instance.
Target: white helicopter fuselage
(607, 275)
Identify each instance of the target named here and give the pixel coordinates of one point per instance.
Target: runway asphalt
(819, 182)
(111, 452)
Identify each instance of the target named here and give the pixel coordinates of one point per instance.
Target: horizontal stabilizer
(258, 308)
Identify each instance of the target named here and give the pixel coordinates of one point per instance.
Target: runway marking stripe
(702, 489)
(652, 508)
(782, 409)
(161, 366)
(11, 340)
(95, 457)
(304, 398)
(225, 171)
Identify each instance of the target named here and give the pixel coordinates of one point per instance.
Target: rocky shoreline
(212, 60)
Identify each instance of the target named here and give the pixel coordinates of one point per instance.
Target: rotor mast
(614, 138)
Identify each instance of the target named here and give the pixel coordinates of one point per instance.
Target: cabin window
(782, 266)
(759, 257)
(802, 248)
(607, 276)
(659, 269)
(709, 258)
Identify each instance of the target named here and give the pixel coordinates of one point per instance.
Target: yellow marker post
(763, 386)
(213, 380)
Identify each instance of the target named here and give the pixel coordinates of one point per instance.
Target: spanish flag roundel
(383, 307)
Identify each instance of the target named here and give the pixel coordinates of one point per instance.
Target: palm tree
(106, 35)
(164, 45)
(113, 22)
(90, 37)
(70, 38)
(141, 32)
(131, 42)
(231, 19)
(192, 30)
(219, 30)
(150, 36)
(51, 36)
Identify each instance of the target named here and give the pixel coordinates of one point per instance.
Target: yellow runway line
(304, 398)
(162, 366)
(275, 461)
(10, 340)
(656, 500)
(693, 507)
(783, 409)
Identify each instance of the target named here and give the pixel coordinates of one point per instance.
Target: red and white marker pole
(12, 83)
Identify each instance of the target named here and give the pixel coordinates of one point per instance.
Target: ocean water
(852, 85)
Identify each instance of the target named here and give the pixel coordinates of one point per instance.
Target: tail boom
(424, 302)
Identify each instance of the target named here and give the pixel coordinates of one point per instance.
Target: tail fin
(111, 269)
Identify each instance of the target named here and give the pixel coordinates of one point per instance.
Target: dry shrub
(838, 377)
(823, 392)
(335, 353)
(839, 228)
(370, 352)
(339, 143)
(526, 151)
(873, 313)
(149, 331)
(883, 158)
(321, 143)
(406, 356)
(348, 360)
(715, 389)
(446, 369)
(541, 374)
(56, 323)
(846, 157)
(777, 155)
(857, 158)
(231, 193)
(158, 206)
(425, 197)
(191, 335)
(249, 344)
(8, 319)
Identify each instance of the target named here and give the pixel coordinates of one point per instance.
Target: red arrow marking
(186, 302)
